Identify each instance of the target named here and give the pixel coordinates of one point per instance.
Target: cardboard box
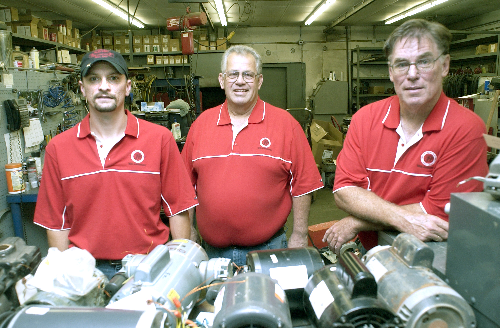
(146, 48)
(121, 40)
(178, 59)
(221, 44)
(9, 15)
(164, 39)
(481, 49)
(204, 45)
(164, 47)
(376, 90)
(28, 29)
(156, 47)
(156, 39)
(171, 60)
(137, 48)
(43, 33)
(166, 60)
(326, 141)
(493, 47)
(75, 33)
(174, 45)
(107, 40)
(137, 39)
(147, 39)
(159, 60)
(150, 60)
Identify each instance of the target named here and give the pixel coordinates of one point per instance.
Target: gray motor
(415, 293)
(251, 300)
(84, 317)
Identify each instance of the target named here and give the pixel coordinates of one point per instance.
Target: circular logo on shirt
(428, 158)
(137, 156)
(265, 142)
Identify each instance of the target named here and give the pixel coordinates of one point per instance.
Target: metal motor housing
(251, 300)
(413, 291)
(346, 296)
(16, 261)
(170, 271)
(290, 267)
(84, 317)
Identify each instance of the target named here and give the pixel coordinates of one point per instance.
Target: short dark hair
(418, 28)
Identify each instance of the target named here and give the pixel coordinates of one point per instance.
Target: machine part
(5, 48)
(82, 317)
(251, 300)
(473, 252)
(169, 275)
(215, 271)
(290, 267)
(16, 261)
(188, 21)
(414, 292)
(346, 296)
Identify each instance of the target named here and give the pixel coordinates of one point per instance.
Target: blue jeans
(107, 268)
(238, 254)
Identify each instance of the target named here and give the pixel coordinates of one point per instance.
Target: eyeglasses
(423, 65)
(234, 75)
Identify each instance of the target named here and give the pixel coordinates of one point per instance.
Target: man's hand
(342, 232)
(425, 227)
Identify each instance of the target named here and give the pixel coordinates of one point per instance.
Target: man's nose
(104, 85)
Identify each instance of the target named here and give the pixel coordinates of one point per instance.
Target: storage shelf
(370, 95)
(40, 44)
(371, 78)
(489, 55)
(375, 62)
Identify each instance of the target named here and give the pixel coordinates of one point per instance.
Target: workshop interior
(322, 61)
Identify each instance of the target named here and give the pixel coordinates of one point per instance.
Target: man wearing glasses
(404, 155)
(250, 163)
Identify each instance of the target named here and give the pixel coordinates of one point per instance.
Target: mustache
(104, 95)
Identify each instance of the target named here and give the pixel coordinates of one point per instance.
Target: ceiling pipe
(346, 15)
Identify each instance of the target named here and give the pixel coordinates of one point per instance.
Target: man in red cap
(105, 180)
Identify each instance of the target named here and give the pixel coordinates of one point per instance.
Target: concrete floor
(323, 209)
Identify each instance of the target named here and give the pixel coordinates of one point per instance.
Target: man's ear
(221, 80)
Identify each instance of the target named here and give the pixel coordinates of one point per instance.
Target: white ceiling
(85, 14)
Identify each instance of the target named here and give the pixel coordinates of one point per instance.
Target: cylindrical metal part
(328, 301)
(5, 48)
(415, 293)
(251, 300)
(290, 267)
(83, 317)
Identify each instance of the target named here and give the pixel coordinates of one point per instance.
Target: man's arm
(301, 207)
(194, 233)
(59, 239)
(369, 207)
(180, 227)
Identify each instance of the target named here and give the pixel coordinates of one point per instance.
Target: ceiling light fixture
(318, 11)
(414, 10)
(220, 10)
(119, 12)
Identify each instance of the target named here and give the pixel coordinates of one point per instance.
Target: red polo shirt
(452, 149)
(245, 189)
(113, 210)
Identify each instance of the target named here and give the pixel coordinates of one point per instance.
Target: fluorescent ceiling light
(318, 11)
(414, 10)
(220, 10)
(119, 12)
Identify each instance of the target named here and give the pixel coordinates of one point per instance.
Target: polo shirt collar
(132, 129)
(257, 115)
(434, 122)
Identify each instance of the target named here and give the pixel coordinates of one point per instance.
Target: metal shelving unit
(368, 67)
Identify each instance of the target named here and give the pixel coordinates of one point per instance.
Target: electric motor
(168, 276)
(84, 317)
(346, 296)
(251, 300)
(415, 293)
(290, 267)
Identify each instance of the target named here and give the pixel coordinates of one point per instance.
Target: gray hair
(242, 50)
(419, 28)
